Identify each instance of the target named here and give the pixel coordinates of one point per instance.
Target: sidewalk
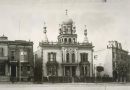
(32, 83)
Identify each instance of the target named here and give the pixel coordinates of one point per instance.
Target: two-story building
(16, 59)
(67, 57)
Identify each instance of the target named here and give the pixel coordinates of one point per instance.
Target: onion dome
(66, 19)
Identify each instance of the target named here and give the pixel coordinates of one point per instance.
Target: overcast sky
(24, 19)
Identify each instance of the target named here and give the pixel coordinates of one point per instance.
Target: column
(70, 57)
(84, 69)
(6, 69)
(77, 61)
(71, 71)
(16, 72)
(19, 71)
(10, 69)
(63, 70)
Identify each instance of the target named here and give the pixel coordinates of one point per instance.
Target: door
(13, 70)
(67, 71)
(2, 69)
(73, 71)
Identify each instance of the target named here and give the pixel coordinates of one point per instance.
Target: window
(84, 57)
(95, 57)
(52, 71)
(24, 55)
(67, 57)
(1, 52)
(52, 56)
(74, 40)
(83, 70)
(28, 68)
(12, 55)
(65, 40)
(73, 58)
(69, 40)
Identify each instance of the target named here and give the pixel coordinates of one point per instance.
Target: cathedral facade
(67, 57)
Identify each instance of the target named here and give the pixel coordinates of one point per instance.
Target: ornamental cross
(66, 12)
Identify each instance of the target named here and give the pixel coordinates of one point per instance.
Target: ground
(64, 86)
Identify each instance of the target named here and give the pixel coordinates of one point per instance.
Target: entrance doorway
(73, 71)
(13, 70)
(70, 71)
(2, 69)
(67, 71)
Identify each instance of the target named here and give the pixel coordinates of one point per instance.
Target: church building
(67, 57)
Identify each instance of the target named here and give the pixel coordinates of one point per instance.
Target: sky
(105, 21)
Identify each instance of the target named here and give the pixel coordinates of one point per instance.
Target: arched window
(73, 40)
(65, 40)
(67, 57)
(73, 58)
(69, 40)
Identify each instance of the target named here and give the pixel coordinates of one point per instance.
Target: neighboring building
(67, 57)
(113, 58)
(16, 59)
(128, 73)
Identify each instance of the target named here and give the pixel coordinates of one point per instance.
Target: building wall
(4, 58)
(58, 59)
(108, 63)
(103, 58)
(5, 51)
(90, 57)
(23, 59)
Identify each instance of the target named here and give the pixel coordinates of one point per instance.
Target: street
(64, 86)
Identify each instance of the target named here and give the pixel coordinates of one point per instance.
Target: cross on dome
(66, 12)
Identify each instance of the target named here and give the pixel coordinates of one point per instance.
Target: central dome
(67, 20)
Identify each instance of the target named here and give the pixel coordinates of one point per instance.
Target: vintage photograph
(64, 44)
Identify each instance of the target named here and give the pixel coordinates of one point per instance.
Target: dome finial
(66, 12)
